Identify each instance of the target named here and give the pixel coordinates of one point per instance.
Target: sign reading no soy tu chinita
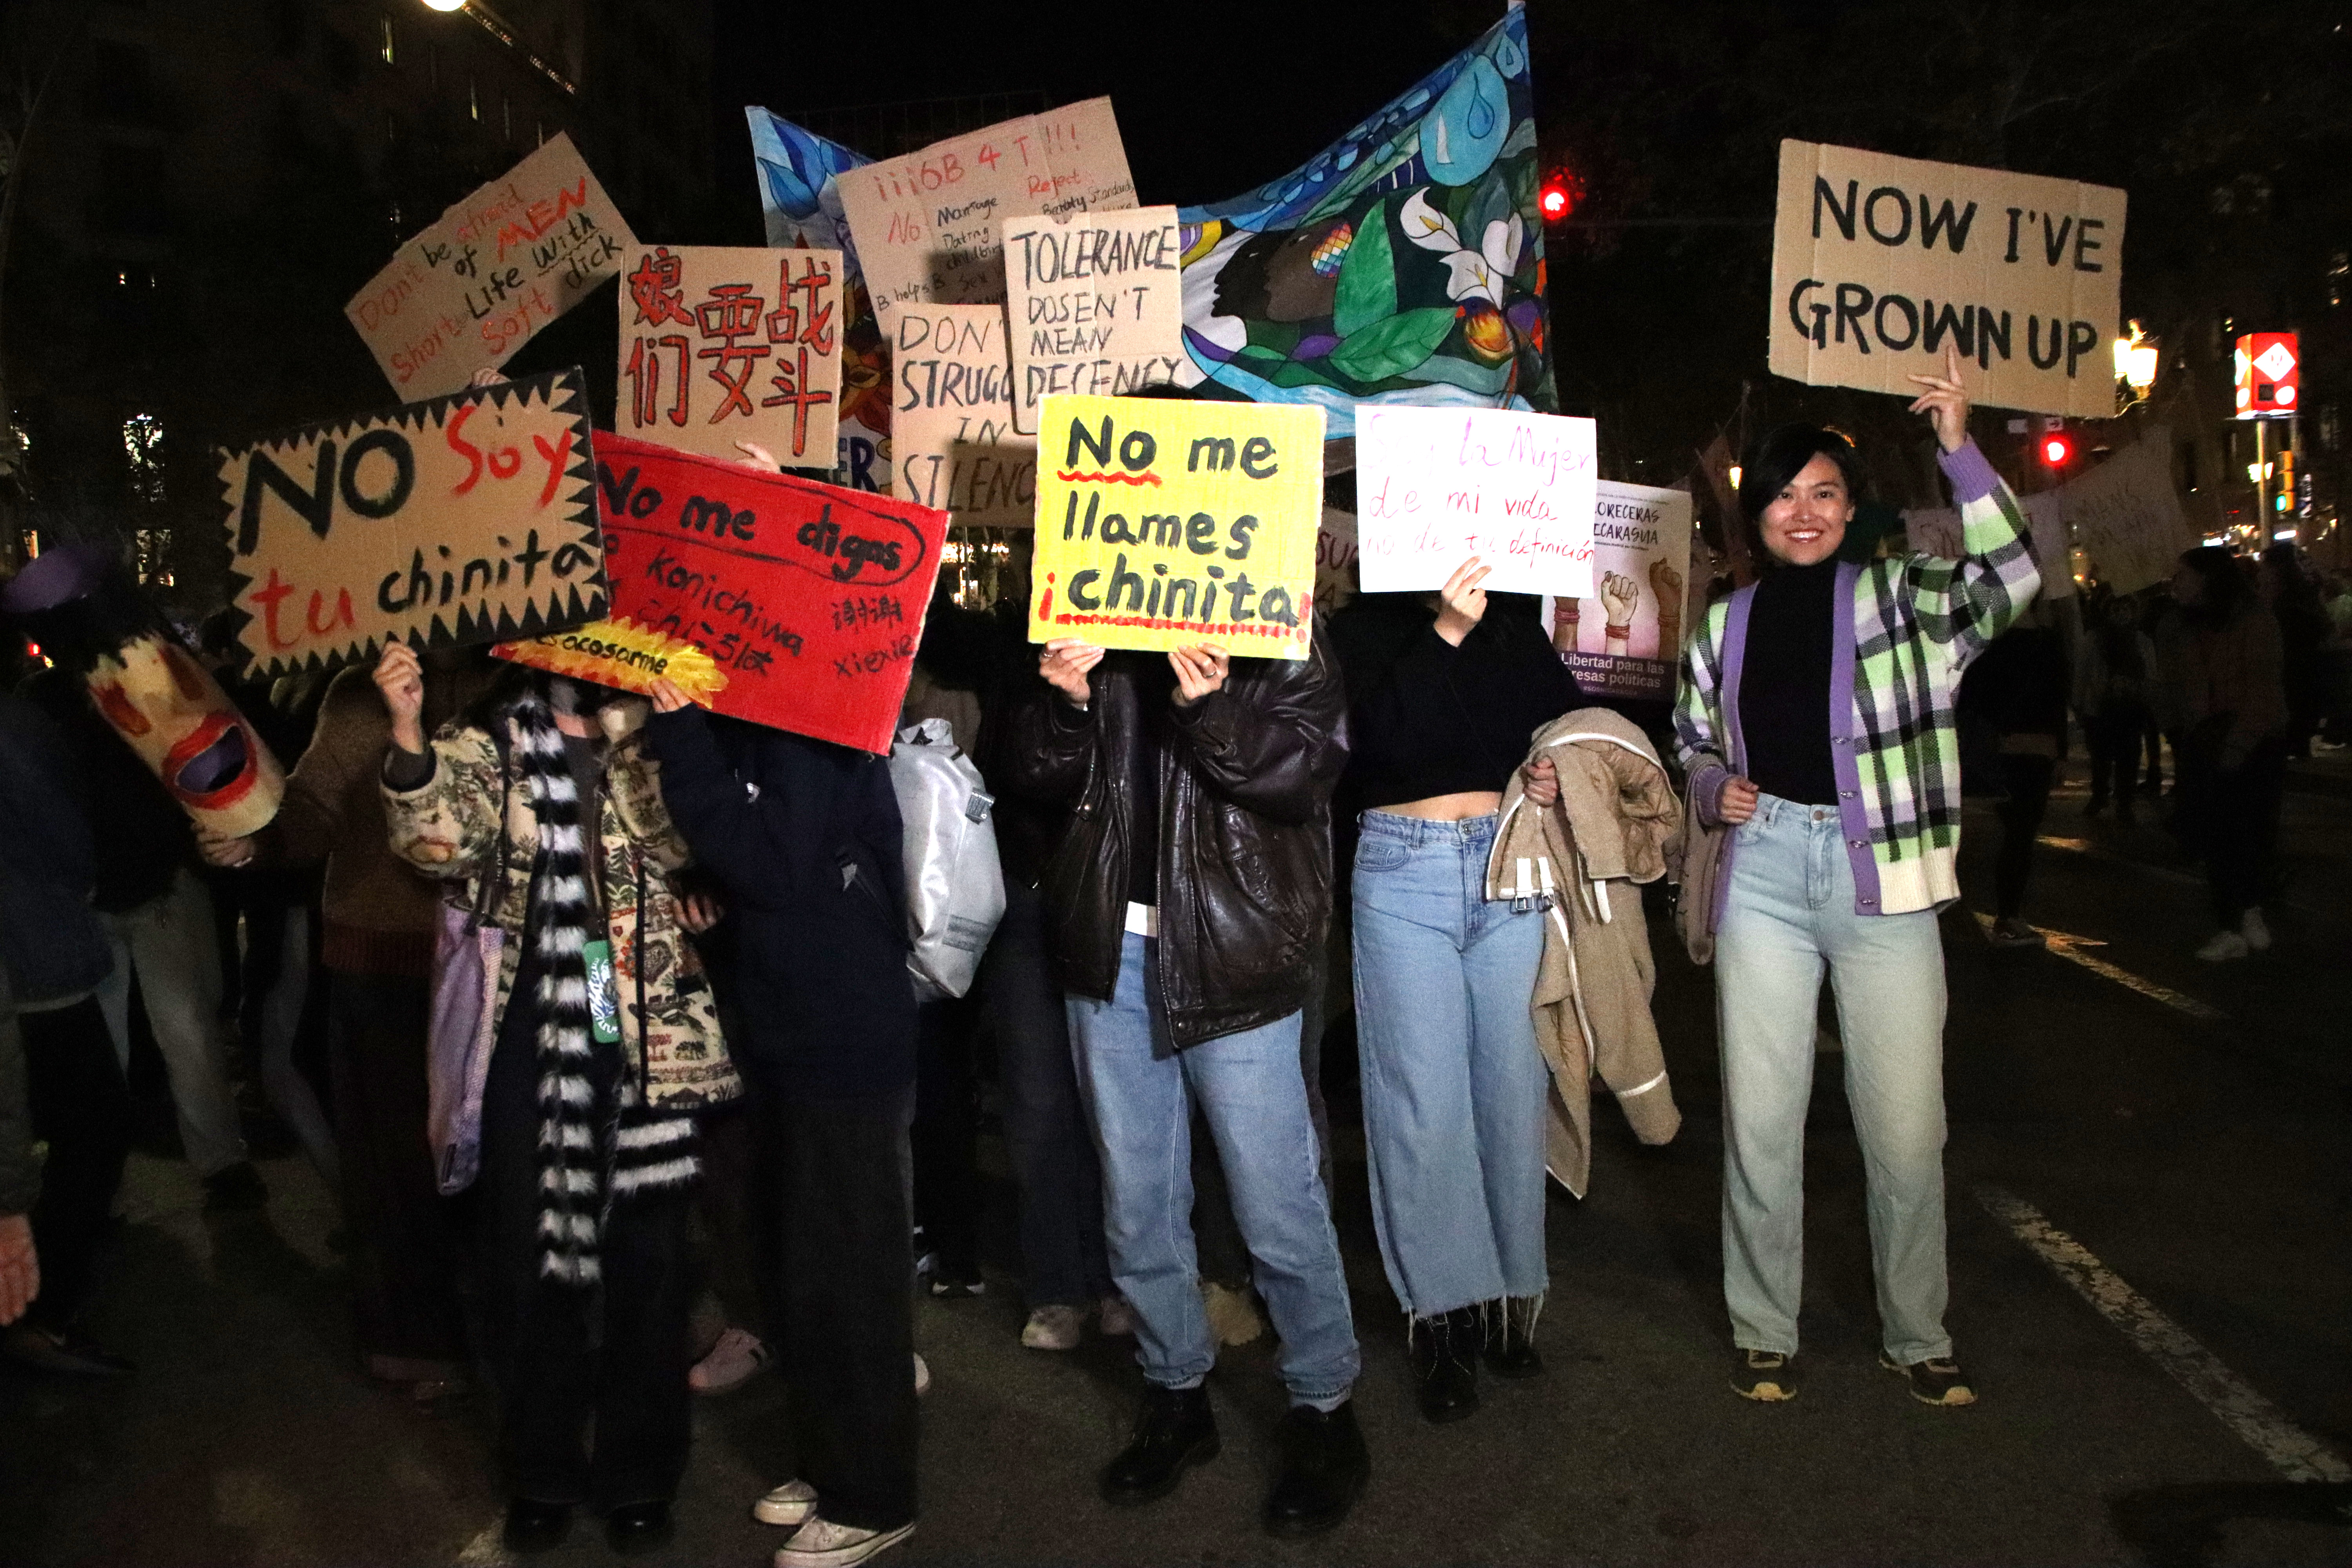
(1165, 524)
(1882, 265)
(457, 520)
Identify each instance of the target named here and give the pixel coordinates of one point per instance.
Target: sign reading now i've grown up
(1881, 264)
(462, 518)
(728, 343)
(1164, 524)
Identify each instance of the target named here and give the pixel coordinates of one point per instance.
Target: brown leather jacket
(1244, 873)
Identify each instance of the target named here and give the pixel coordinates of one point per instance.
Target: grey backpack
(955, 886)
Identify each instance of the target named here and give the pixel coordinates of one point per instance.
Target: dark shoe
(635, 1527)
(1445, 1364)
(236, 1186)
(1511, 1339)
(1176, 1429)
(1766, 1376)
(956, 1284)
(63, 1350)
(1936, 1380)
(1324, 1468)
(533, 1526)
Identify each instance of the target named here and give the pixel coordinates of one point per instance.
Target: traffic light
(2057, 449)
(1557, 196)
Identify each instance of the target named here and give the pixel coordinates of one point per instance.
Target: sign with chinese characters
(953, 444)
(1164, 523)
(721, 344)
(1436, 485)
(468, 292)
(927, 224)
(1623, 640)
(1881, 266)
(807, 598)
(1095, 303)
(463, 519)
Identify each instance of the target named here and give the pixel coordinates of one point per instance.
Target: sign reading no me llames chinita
(807, 598)
(1165, 524)
(1882, 265)
(457, 520)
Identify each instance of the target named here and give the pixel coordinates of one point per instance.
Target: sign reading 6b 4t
(465, 519)
(1164, 523)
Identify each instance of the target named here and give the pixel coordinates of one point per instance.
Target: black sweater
(1784, 684)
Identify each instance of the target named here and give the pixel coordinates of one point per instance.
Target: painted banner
(468, 292)
(1096, 304)
(726, 343)
(953, 446)
(806, 599)
(1403, 264)
(1436, 485)
(1936, 531)
(927, 224)
(1164, 524)
(463, 519)
(1881, 264)
(1625, 640)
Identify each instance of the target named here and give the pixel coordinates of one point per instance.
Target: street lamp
(445, 4)
(503, 31)
(2136, 361)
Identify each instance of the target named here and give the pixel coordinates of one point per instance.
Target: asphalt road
(2150, 1200)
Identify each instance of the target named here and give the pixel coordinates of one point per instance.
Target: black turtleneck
(1784, 684)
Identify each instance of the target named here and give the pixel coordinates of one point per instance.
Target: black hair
(2226, 592)
(1778, 456)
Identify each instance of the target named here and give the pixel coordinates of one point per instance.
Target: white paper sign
(1436, 485)
(1095, 302)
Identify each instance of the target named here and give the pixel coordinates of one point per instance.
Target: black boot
(1176, 1429)
(533, 1526)
(1324, 1468)
(1511, 1338)
(637, 1527)
(1445, 1364)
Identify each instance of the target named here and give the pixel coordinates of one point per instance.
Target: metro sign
(2269, 372)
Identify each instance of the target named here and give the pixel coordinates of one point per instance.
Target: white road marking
(2068, 946)
(2292, 1451)
(485, 1549)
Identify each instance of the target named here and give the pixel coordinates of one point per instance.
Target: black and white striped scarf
(594, 1148)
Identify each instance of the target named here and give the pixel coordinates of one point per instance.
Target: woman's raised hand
(1946, 403)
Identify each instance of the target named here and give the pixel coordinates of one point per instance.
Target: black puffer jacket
(1244, 865)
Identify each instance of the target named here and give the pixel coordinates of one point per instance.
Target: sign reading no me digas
(1436, 485)
(1165, 524)
(458, 520)
(1881, 265)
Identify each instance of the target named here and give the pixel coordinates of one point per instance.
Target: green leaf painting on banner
(1367, 279)
(1392, 345)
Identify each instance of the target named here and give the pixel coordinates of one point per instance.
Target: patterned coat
(448, 828)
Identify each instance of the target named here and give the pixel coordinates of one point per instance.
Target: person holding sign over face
(1191, 895)
(1816, 721)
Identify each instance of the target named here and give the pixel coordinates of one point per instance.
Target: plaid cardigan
(1906, 627)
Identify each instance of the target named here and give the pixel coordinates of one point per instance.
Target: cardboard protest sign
(458, 520)
(1936, 531)
(468, 292)
(806, 599)
(1164, 525)
(1096, 304)
(1436, 485)
(953, 444)
(728, 343)
(925, 224)
(1335, 558)
(1403, 264)
(1879, 264)
(2126, 515)
(1625, 640)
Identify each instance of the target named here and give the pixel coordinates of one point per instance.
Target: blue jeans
(1140, 1092)
(1791, 913)
(1455, 1090)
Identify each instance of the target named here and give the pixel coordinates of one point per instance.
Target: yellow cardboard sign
(1164, 524)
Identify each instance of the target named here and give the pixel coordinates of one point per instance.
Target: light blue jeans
(1454, 1089)
(1139, 1091)
(1791, 912)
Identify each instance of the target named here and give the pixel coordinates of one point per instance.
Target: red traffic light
(2057, 450)
(1556, 200)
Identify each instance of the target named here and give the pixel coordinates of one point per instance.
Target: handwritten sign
(2126, 514)
(1625, 640)
(1164, 525)
(1936, 531)
(1335, 558)
(1436, 485)
(1881, 264)
(468, 292)
(925, 224)
(808, 598)
(1096, 304)
(458, 520)
(953, 444)
(726, 343)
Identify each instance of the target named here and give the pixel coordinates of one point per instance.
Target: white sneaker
(2223, 946)
(791, 1503)
(922, 1376)
(1053, 1328)
(820, 1543)
(731, 1362)
(1118, 1319)
(2256, 930)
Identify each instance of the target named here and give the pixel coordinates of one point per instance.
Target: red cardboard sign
(808, 597)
